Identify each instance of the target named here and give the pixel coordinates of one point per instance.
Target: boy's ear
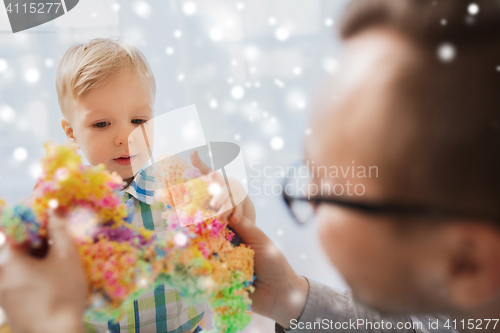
(68, 130)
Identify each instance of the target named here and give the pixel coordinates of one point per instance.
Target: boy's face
(101, 123)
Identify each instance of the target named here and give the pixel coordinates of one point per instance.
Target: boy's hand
(221, 200)
(44, 295)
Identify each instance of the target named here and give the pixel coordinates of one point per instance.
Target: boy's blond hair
(84, 66)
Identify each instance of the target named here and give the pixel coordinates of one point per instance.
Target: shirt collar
(142, 187)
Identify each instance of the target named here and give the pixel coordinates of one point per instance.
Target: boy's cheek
(95, 152)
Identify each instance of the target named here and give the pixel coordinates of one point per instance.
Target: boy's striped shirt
(161, 310)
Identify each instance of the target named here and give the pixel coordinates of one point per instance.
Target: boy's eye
(139, 121)
(101, 124)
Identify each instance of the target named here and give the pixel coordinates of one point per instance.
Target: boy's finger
(219, 199)
(217, 177)
(198, 163)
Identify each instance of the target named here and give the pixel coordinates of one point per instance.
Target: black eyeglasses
(303, 207)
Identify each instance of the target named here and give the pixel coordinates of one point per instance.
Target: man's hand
(280, 293)
(221, 200)
(44, 295)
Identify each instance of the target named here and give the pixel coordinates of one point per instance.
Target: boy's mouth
(124, 160)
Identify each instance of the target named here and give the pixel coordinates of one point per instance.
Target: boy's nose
(124, 137)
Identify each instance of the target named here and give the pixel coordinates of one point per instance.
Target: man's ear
(68, 130)
(474, 266)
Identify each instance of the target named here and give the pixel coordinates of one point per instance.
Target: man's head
(431, 124)
(106, 89)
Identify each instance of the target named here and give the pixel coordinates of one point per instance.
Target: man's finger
(198, 163)
(224, 212)
(237, 214)
(249, 233)
(59, 235)
(16, 267)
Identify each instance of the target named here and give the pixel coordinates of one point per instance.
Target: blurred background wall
(251, 68)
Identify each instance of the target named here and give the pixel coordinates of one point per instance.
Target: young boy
(106, 90)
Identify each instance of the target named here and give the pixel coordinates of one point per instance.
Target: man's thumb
(59, 237)
(249, 233)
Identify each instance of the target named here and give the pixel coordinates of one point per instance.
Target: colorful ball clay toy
(122, 261)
